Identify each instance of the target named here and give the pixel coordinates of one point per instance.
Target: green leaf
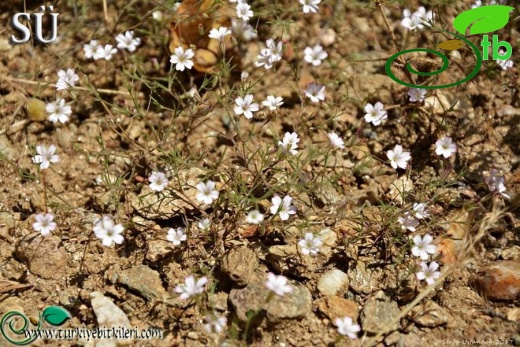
(55, 315)
(486, 18)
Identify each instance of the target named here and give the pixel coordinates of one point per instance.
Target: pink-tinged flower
(428, 273)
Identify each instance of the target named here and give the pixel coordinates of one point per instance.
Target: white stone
(333, 282)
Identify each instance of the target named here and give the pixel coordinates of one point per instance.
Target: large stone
(43, 256)
(499, 280)
(333, 282)
(240, 264)
(364, 279)
(108, 315)
(429, 314)
(378, 313)
(257, 297)
(338, 307)
(145, 281)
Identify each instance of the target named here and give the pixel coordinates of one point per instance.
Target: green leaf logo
(486, 18)
(55, 315)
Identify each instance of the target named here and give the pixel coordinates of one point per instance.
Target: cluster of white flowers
(246, 105)
(410, 219)
(59, 111)
(97, 51)
(479, 3)
(269, 55)
(417, 20)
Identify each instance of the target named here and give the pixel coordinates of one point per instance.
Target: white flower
(310, 244)
(158, 181)
(416, 94)
(496, 183)
(504, 64)
(289, 143)
(127, 41)
(278, 284)
(106, 52)
(246, 106)
(314, 55)
(109, 232)
(176, 236)
(66, 79)
(45, 156)
(243, 30)
(429, 272)
(254, 217)
(423, 246)
(204, 224)
(375, 114)
(284, 208)
(190, 287)
(315, 92)
(269, 55)
(44, 223)
(273, 102)
(478, 3)
(90, 49)
(157, 16)
(445, 147)
(398, 158)
(182, 58)
(336, 141)
(219, 34)
(207, 192)
(310, 5)
(244, 11)
(420, 211)
(418, 19)
(408, 221)
(214, 323)
(58, 111)
(244, 76)
(347, 328)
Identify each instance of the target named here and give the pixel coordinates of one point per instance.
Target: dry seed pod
(35, 109)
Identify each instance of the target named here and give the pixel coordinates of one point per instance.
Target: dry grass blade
(7, 286)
